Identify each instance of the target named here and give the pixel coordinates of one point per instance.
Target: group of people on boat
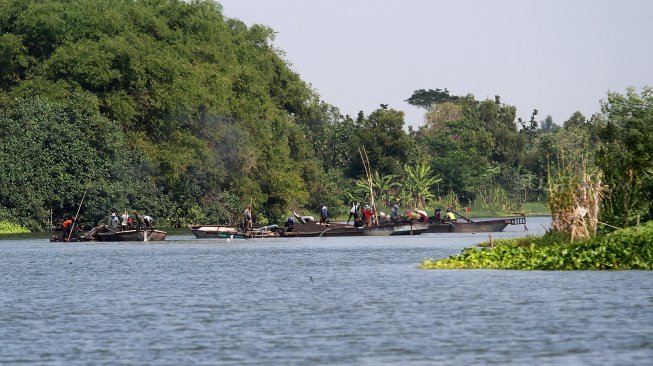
(128, 221)
(450, 216)
(362, 215)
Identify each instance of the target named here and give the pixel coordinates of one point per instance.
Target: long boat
(401, 228)
(105, 233)
(313, 229)
(231, 232)
(216, 231)
(485, 226)
(145, 234)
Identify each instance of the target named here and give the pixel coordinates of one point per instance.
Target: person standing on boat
(113, 222)
(324, 215)
(367, 216)
(353, 212)
(148, 221)
(124, 220)
(67, 227)
(247, 218)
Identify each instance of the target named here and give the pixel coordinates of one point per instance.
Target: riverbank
(630, 248)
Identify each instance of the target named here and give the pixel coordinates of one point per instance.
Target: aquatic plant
(630, 248)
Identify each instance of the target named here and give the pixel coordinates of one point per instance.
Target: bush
(11, 228)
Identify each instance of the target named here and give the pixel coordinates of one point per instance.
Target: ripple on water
(314, 301)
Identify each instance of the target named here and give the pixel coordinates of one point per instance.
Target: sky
(556, 56)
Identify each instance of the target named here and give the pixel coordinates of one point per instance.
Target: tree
(52, 153)
(388, 145)
(418, 185)
(427, 98)
(207, 103)
(577, 120)
(548, 125)
(625, 155)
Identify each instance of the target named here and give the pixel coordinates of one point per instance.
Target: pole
(370, 183)
(463, 216)
(70, 233)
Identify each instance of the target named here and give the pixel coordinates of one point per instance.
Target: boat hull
(408, 228)
(132, 235)
(487, 226)
(330, 232)
(216, 232)
(479, 227)
(231, 232)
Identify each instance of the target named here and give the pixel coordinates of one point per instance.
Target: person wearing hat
(113, 222)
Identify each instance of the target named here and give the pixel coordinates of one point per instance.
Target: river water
(310, 301)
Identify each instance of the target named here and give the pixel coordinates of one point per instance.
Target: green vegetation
(170, 108)
(10, 228)
(630, 248)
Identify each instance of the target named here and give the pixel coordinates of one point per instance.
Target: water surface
(299, 301)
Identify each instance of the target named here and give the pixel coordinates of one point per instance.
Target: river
(310, 301)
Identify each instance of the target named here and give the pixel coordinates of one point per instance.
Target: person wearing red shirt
(67, 228)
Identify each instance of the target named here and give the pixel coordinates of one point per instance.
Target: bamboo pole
(370, 183)
(70, 233)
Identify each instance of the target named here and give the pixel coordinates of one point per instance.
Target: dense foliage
(630, 248)
(11, 228)
(193, 111)
(170, 108)
(626, 157)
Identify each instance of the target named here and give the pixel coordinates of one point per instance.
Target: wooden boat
(231, 232)
(400, 228)
(105, 233)
(73, 239)
(485, 226)
(145, 234)
(216, 231)
(313, 229)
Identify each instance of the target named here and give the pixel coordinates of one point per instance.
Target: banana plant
(418, 184)
(384, 185)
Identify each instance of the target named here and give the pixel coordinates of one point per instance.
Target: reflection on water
(359, 300)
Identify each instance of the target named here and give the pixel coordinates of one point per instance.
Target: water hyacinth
(624, 249)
